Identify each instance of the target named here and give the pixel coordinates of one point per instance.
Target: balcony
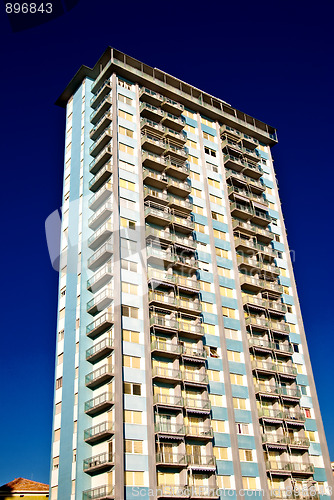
(276, 307)
(195, 378)
(101, 235)
(178, 188)
(290, 392)
(100, 376)
(173, 491)
(294, 416)
(286, 370)
(100, 350)
(187, 284)
(274, 439)
(172, 106)
(101, 196)
(172, 121)
(272, 287)
(166, 348)
(183, 262)
(168, 429)
(100, 325)
(174, 152)
(166, 374)
(203, 432)
(203, 462)
(280, 327)
(254, 185)
(151, 112)
(153, 144)
(258, 323)
(147, 125)
(99, 404)
(251, 229)
(241, 211)
(100, 110)
(264, 366)
(180, 204)
(161, 321)
(261, 218)
(100, 177)
(157, 214)
(152, 160)
(150, 96)
(100, 301)
(154, 179)
(267, 389)
(302, 468)
(162, 299)
(284, 348)
(183, 224)
(100, 256)
(278, 467)
(100, 215)
(189, 306)
(155, 197)
(233, 162)
(103, 122)
(249, 142)
(226, 129)
(252, 169)
(163, 236)
(167, 401)
(99, 493)
(259, 302)
(158, 276)
(100, 160)
(179, 138)
(99, 432)
(177, 169)
(194, 354)
(98, 463)
(270, 413)
(160, 256)
(249, 265)
(299, 442)
(197, 405)
(190, 329)
(235, 192)
(103, 91)
(250, 154)
(102, 140)
(228, 144)
(171, 459)
(100, 278)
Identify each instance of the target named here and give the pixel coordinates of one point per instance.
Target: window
(124, 84)
(222, 271)
(130, 312)
(213, 183)
(58, 408)
(286, 290)
(55, 463)
(125, 115)
(242, 428)
(208, 137)
(200, 228)
(198, 210)
(212, 167)
(213, 375)
(236, 379)
(127, 184)
(231, 334)
(126, 100)
(209, 329)
(125, 203)
(128, 245)
(216, 400)
(127, 166)
(60, 359)
(132, 417)
(296, 347)
(219, 234)
(196, 192)
(207, 122)
(239, 404)
(126, 149)
(194, 176)
(126, 131)
(131, 361)
(224, 482)
(220, 453)
(191, 144)
(129, 288)
(133, 389)
(246, 455)
(131, 336)
(193, 159)
(218, 425)
(127, 265)
(218, 217)
(206, 287)
(209, 151)
(54, 492)
(131, 224)
(133, 478)
(215, 199)
(226, 292)
(62, 313)
(63, 291)
(228, 312)
(189, 128)
(234, 356)
(59, 382)
(131, 446)
(249, 483)
(221, 253)
(189, 114)
(207, 307)
(56, 436)
(307, 412)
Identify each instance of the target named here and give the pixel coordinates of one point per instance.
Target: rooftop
(20, 484)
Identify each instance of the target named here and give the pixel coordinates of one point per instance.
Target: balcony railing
(99, 493)
(100, 256)
(197, 404)
(98, 462)
(99, 376)
(176, 459)
(199, 431)
(99, 325)
(101, 403)
(162, 298)
(100, 235)
(168, 400)
(100, 278)
(193, 377)
(164, 322)
(98, 432)
(100, 177)
(100, 196)
(166, 347)
(168, 428)
(202, 460)
(100, 349)
(271, 438)
(95, 220)
(294, 415)
(166, 373)
(270, 413)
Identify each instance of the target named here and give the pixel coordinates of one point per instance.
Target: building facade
(182, 369)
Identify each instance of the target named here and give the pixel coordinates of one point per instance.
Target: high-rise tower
(182, 368)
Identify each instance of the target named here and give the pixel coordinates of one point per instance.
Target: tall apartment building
(182, 369)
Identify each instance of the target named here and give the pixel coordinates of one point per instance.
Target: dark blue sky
(273, 60)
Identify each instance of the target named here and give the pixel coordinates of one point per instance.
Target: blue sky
(271, 60)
